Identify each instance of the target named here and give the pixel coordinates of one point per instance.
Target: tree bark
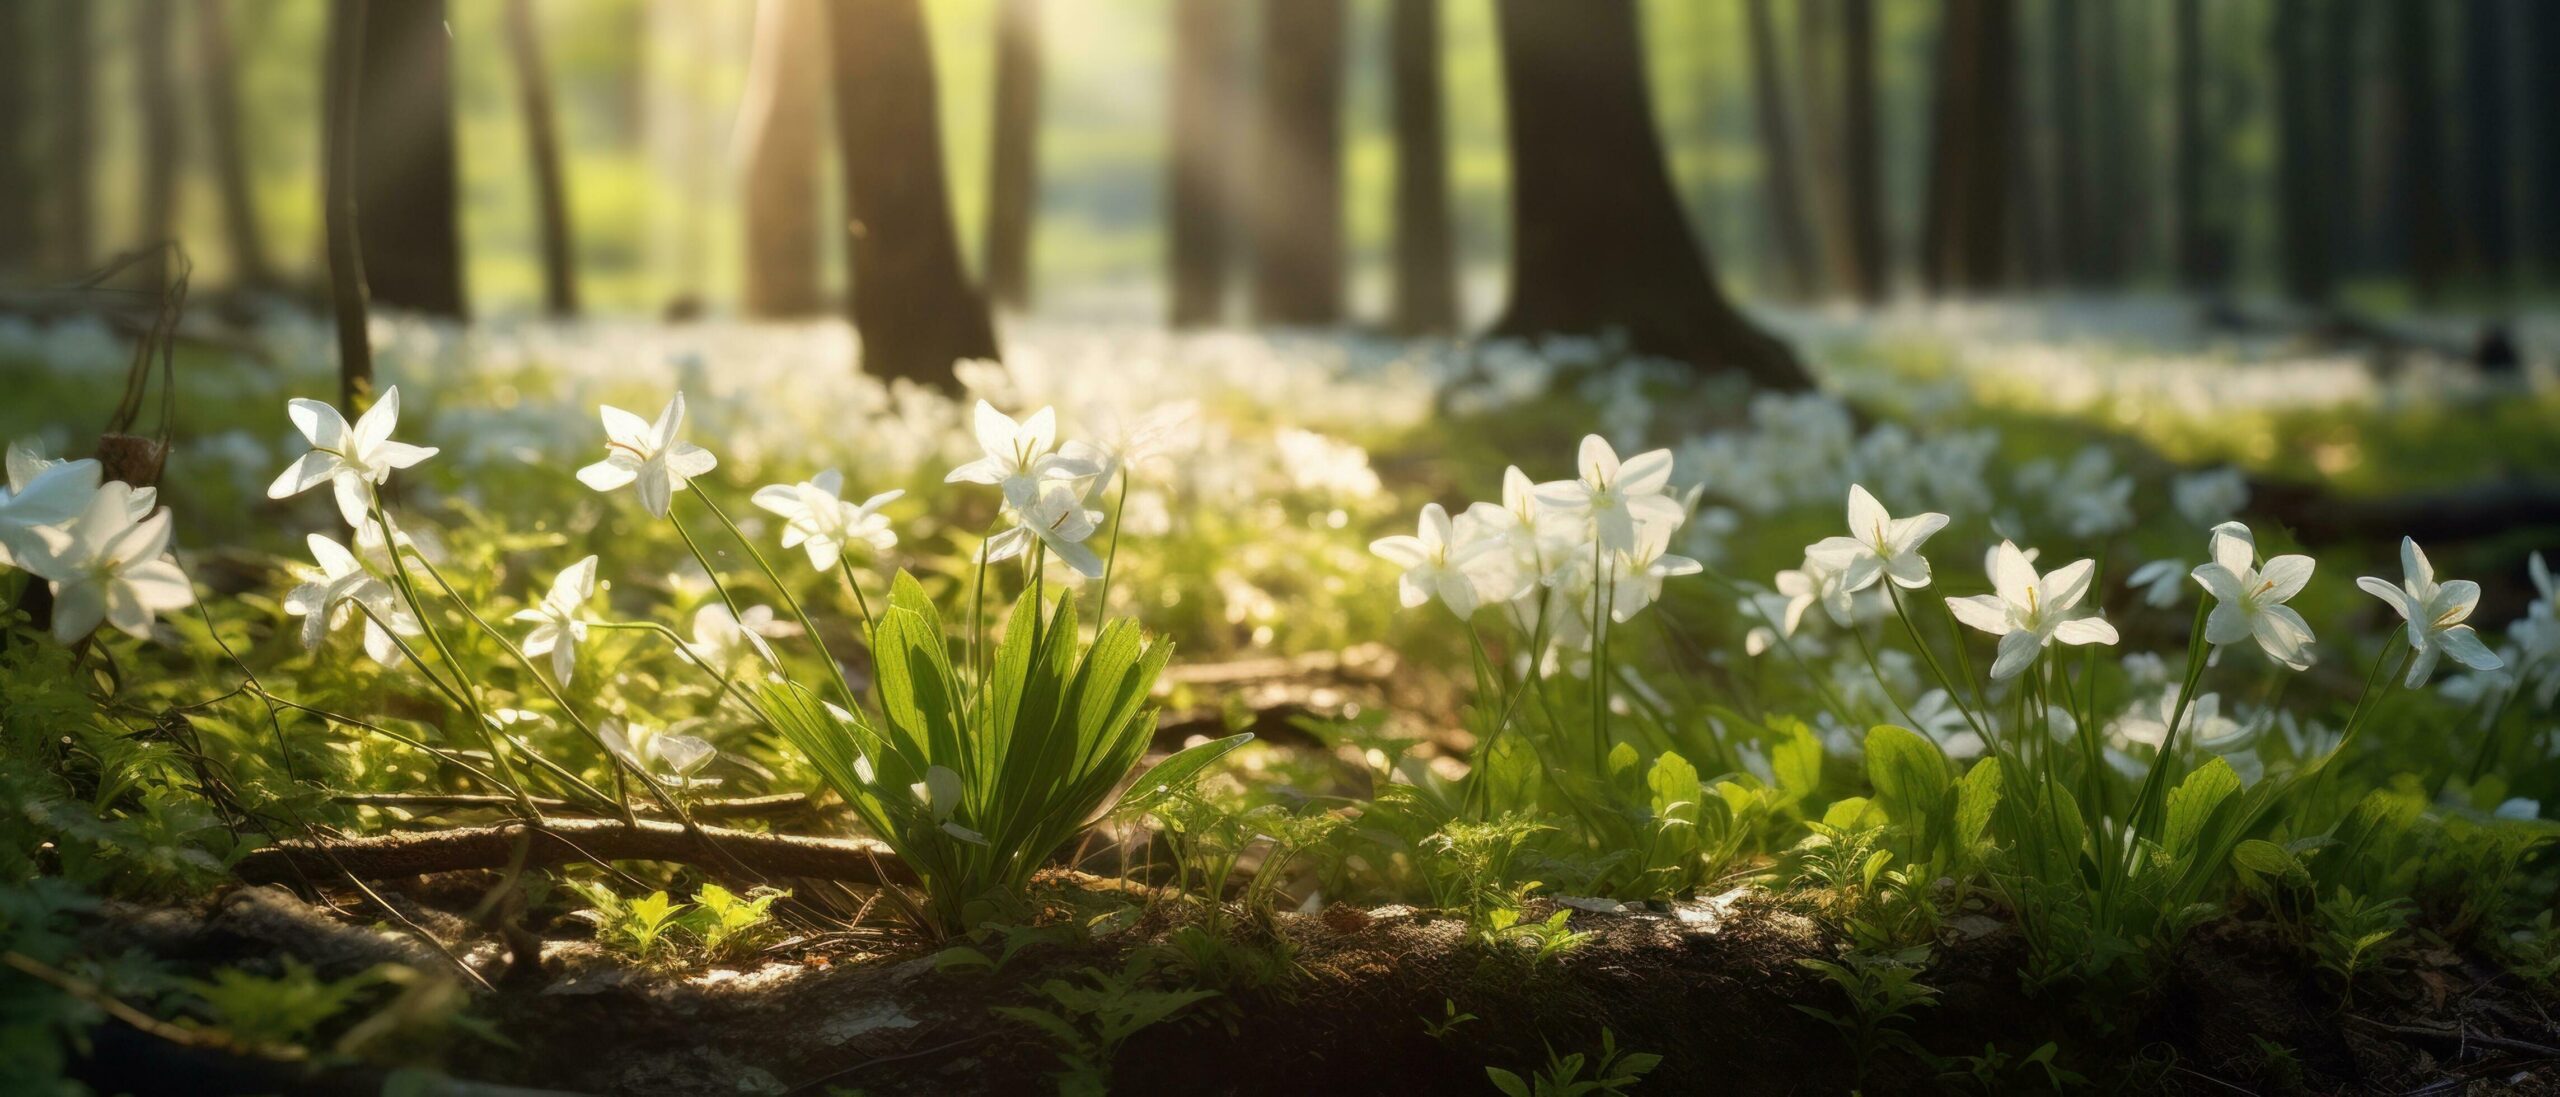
(2111, 193)
(2345, 83)
(1789, 230)
(2069, 157)
(1862, 157)
(1013, 188)
(2542, 154)
(1426, 301)
(542, 148)
(2197, 261)
(66, 228)
(230, 159)
(781, 128)
(1200, 180)
(2488, 171)
(407, 211)
(1297, 165)
(342, 92)
(2300, 226)
(1599, 244)
(18, 173)
(1967, 227)
(2428, 228)
(1819, 84)
(912, 301)
(156, 97)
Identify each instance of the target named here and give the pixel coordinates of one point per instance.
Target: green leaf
(1674, 782)
(1176, 773)
(1977, 797)
(2192, 803)
(1796, 760)
(2266, 858)
(1914, 783)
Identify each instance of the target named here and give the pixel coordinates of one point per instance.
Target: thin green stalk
(2155, 783)
(470, 702)
(835, 670)
(1928, 657)
(1111, 560)
(1882, 686)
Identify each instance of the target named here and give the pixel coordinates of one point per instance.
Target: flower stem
(835, 670)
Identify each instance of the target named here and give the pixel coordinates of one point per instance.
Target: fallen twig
(2462, 1035)
(559, 841)
(749, 807)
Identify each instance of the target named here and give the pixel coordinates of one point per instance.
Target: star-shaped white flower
(2028, 611)
(2250, 601)
(350, 459)
(649, 456)
(815, 514)
(1058, 519)
(335, 589)
(45, 492)
(1437, 563)
(559, 622)
(105, 565)
(1119, 442)
(646, 749)
(2435, 612)
(1016, 455)
(721, 639)
(1639, 574)
(1616, 497)
(1878, 544)
(2160, 581)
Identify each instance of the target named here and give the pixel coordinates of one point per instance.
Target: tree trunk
(1200, 178)
(2300, 226)
(156, 97)
(1789, 231)
(2197, 262)
(2110, 190)
(1297, 165)
(18, 172)
(342, 92)
(1014, 187)
(912, 301)
(2422, 161)
(230, 160)
(1598, 240)
(407, 213)
(2346, 81)
(542, 147)
(1818, 86)
(66, 225)
(1426, 284)
(2542, 154)
(781, 128)
(1966, 225)
(1862, 158)
(2488, 228)
(2072, 230)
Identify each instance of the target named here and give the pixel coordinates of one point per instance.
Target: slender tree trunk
(2542, 153)
(343, 91)
(912, 301)
(2345, 85)
(781, 128)
(1200, 183)
(2488, 169)
(1297, 164)
(2186, 141)
(1598, 240)
(156, 97)
(2070, 185)
(407, 189)
(1789, 230)
(1014, 187)
(1976, 209)
(1819, 85)
(18, 172)
(2110, 191)
(2300, 226)
(230, 159)
(1426, 301)
(542, 148)
(66, 228)
(1863, 158)
(2422, 159)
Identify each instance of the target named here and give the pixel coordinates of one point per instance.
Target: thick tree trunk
(156, 97)
(1297, 165)
(1862, 156)
(2301, 228)
(912, 301)
(1013, 188)
(542, 148)
(1200, 177)
(2488, 228)
(66, 228)
(2542, 153)
(1818, 86)
(1598, 240)
(342, 97)
(407, 200)
(1426, 299)
(230, 159)
(1967, 227)
(781, 129)
(2428, 228)
(1789, 230)
(18, 173)
(2197, 260)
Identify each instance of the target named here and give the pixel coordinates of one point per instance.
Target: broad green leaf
(1796, 760)
(1914, 783)
(1673, 781)
(2192, 803)
(1977, 797)
(1177, 772)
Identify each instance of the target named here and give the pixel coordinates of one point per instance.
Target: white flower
(1017, 457)
(1437, 564)
(2435, 612)
(1937, 715)
(814, 514)
(647, 455)
(559, 622)
(1119, 443)
(348, 459)
(1059, 519)
(720, 638)
(42, 492)
(1878, 544)
(2210, 496)
(2250, 602)
(105, 565)
(641, 745)
(2518, 809)
(334, 590)
(1615, 498)
(1639, 574)
(2027, 612)
(2160, 581)
(939, 792)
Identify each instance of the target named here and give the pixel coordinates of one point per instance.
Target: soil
(1712, 986)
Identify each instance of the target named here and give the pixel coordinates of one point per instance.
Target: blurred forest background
(2380, 154)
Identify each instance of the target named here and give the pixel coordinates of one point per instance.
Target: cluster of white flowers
(101, 545)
